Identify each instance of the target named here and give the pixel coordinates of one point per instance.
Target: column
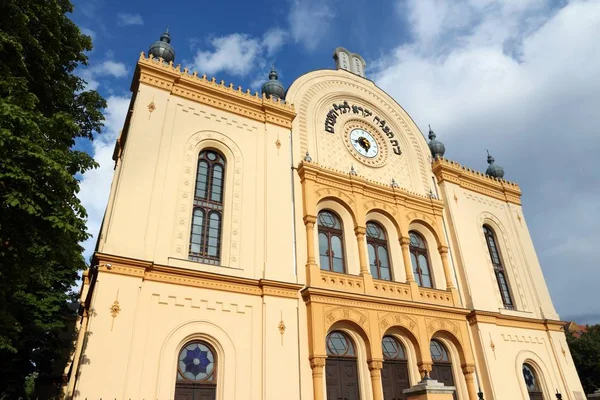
(317, 364)
(375, 367)
(405, 243)
(444, 255)
(362, 257)
(468, 370)
(312, 269)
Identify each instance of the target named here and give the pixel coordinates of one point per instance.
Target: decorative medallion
(365, 143)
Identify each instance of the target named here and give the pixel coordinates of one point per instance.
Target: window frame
(331, 232)
(379, 243)
(181, 379)
(498, 268)
(208, 207)
(418, 251)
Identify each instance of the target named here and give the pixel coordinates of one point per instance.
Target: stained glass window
(196, 363)
(392, 348)
(490, 239)
(438, 352)
(205, 238)
(420, 259)
(331, 244)
(339, 345)
(377, 248)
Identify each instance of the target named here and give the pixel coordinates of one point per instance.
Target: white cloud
(519, 78)
(238, 54)
(273, 40)
(106, 68)
(125, 19)
(309, 21)
(95, 184)
(88, 32)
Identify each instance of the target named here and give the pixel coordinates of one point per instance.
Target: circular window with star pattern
(365, 143)
(196, 363)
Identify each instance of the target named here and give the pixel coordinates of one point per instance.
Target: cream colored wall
(514, 346)
(465, 218)
(134, 355)
(149, 213)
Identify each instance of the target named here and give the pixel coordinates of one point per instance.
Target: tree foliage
(585, 350)
(44, 108)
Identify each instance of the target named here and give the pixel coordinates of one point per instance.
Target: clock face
(364, 143)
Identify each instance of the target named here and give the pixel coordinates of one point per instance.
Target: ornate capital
(424, 368)
(317, 363)
(468, 370)
(375, 365)
(360, 230)
(404, 241)
(310, 220)
(443, 250)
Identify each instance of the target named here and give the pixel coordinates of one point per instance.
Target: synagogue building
(307, 242)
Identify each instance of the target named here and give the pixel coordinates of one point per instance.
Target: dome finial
(273, 88)
(436, 147)
(162, 48)
(494, 170)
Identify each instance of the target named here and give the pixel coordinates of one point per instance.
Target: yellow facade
(267, 306)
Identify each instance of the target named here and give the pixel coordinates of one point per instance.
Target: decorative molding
(522, 338)
(449, 171)
(186, 277)
(343, 313)
(281, 327)
(443, 325)
(199, 304)
(392, 319)
(152, 71)
(488, 317)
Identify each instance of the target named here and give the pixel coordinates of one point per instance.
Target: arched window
(378, 251)
(196, 372)
(331, 242)
(394, 376)
(441, 369)
(490, 239)
(532, 383)
(207, 216)
(419, 257)
(341, 367)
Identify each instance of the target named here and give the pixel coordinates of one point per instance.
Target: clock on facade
(364, 143)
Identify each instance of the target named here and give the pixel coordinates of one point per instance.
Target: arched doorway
(341, 368)
(532, 383)
(441, 370)
(196, 372)
(394, 376)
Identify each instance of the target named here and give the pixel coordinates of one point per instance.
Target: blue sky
(517, 77)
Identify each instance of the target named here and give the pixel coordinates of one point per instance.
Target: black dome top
(162, 48)
(272, 87)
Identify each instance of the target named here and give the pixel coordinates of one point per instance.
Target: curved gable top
(330, 104)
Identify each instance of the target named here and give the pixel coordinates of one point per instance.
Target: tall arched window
(207, 217)
(331, 242)
(490, 239)
(196, 372)
(419, 257)
(341, 367)
(394, 376)
(441, 369)
(378, 251)
(532, 383)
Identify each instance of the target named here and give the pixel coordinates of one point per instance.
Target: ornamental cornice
(352, 300)
(326, 180)
(449, 171)
(155, 72)
(488, 317)
(180, 276)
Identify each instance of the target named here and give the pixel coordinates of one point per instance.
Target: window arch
(441, 369)
(207, 215)
(394, 375)
(196, 372)
(490, 239)
(341, 367)
(532, 383)
(331, 242)
(419, 257)
(377, 246)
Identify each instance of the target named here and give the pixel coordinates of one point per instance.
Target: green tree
(44, 108)
(585, 350)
